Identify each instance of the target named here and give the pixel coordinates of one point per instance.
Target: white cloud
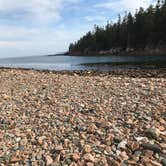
(121, 5)
(37, 10)
(95, 18)
(21, 41)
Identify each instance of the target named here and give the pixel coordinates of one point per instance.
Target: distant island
(59, 54)
(142, 33)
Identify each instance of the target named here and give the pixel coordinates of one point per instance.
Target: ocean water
(101, 63)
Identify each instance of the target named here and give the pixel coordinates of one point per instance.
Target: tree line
(144, 29)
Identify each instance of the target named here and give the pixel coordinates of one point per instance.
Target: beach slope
(82, 118)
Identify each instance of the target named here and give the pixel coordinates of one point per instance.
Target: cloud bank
(121, 5)
(37, 10)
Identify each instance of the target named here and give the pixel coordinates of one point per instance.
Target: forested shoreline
(141, 33)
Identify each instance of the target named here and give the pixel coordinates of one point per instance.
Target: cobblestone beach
(82, 118)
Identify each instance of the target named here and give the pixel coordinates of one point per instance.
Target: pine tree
(147, 28)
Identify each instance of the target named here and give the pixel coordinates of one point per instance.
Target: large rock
(153, 147)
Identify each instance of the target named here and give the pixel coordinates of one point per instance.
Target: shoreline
(133, 73)
(82, 118)
(120, 52)
(156, 73)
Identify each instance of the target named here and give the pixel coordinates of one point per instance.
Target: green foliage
(147, 28)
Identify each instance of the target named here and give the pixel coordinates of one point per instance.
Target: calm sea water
(108, 63)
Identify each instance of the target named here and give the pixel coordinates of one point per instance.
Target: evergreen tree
(147, 28)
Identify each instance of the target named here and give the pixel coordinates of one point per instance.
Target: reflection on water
(84, 62)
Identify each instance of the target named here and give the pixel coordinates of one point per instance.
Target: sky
(42, 27)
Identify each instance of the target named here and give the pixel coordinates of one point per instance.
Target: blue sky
(40, 27)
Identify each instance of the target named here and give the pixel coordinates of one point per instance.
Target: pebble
(14, 159)
(89, 164)
(124, 155)
(152, 133)
(92, 119)
(58, 148)
(92, 128)
(88, 157)
(133, 145)
(17, 139)
(154, 163)
(48, 159)
(163, 162)
(135, 158)
(23, 142)
(122, 144)
(87, 148)
(148, 153)
(112, 162)
(40, 140)
(75, 156)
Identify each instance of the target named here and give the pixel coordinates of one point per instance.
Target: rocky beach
(85, 118)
